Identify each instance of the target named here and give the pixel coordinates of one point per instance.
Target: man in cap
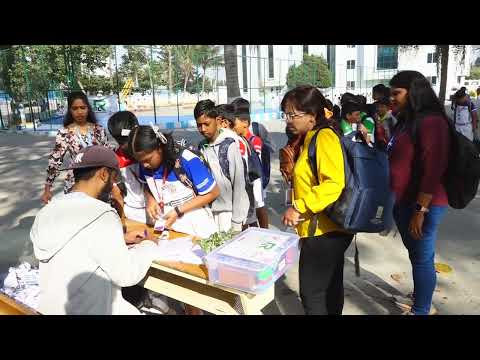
(78, 239)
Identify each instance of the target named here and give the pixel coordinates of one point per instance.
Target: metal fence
(161, 84)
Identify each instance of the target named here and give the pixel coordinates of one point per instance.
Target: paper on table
(181, 250)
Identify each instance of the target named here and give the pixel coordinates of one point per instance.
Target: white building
(356, 68)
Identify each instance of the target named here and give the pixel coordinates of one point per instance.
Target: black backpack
(463, 173)
(267, 148)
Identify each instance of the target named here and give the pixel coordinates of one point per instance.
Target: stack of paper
(181, 250)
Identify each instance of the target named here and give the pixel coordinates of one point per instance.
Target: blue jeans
(421, 253)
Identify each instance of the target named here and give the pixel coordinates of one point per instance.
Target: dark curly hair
(143, 138)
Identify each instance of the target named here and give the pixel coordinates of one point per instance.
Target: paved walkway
(385, 268)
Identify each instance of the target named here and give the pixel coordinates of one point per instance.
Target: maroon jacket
(421, 167)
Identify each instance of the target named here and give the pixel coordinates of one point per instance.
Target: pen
(145, 233)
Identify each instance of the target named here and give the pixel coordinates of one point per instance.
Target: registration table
(189, 284)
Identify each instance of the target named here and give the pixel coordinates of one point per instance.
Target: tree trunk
(443, 54)
(203, 80)
(185, 88)
(170, 81)
(231, 72)
(135, 74)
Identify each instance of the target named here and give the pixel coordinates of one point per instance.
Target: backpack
(222, 156)
(255, 169)
(366, 202)
(267, 148)
(463, 173)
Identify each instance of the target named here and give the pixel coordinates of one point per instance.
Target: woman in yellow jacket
(323, 242)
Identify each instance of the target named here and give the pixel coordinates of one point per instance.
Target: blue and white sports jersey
(198, 222)
(174, 191)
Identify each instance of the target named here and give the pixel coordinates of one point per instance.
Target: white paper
(180, 250)
(22, 284)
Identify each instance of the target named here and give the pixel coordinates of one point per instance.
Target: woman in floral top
(80, 129)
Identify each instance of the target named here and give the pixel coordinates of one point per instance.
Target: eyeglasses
(291, 116)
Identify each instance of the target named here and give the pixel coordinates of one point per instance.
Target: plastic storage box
(253, 260)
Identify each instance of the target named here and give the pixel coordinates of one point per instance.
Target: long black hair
(421, 100)
(121, 120)
(91, 118)
(308, 99)
(144, 138)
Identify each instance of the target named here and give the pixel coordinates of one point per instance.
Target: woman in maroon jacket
(419, 152)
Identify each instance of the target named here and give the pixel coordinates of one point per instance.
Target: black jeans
(321, 273)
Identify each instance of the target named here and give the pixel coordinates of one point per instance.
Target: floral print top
(71, 141)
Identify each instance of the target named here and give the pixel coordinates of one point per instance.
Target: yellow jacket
(311, 198)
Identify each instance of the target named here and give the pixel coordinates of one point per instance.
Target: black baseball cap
(94, 156)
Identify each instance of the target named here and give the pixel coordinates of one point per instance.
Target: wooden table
(189, 284)
(9, 306)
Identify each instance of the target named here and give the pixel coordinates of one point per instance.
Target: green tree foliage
(312, 71)
(474, 73)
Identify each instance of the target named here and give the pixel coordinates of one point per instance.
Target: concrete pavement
(385, 268)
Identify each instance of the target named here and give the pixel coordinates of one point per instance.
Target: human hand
(134, 237)
(170, 218)
(416, 225)
(153, 209)
(291, 217)
(46, 196)
(363, 130)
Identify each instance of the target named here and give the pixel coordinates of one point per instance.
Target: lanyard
(390, 144)
(160, 193)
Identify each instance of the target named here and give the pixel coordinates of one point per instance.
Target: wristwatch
(420, 208)
(177, 210)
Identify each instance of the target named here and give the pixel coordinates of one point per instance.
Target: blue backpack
(366, 202)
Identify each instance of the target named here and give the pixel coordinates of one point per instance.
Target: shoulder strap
(255, 128)
(181, 175)
(223, 156)
(312, 149)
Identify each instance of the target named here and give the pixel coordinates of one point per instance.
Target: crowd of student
(85, 258)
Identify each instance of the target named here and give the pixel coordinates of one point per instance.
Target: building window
(305, 49)
(351, 64)
(459, 79)
(387, 57)
(244, 68)
(432, 58)
(290, 49)
(432, 79)
(351, 46)
(351, 85)
(271, 72)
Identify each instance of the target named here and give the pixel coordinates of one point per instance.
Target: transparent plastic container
(253, 260)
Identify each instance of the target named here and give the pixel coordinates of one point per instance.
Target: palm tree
(168, 51)
(185, 58)
(231, 71)
(207, 56)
